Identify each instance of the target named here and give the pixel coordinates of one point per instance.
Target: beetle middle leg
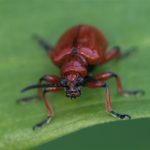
(107, 75)
(45, 78)
(96, 84)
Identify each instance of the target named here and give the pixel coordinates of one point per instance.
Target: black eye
(80, 81)
(63, 82)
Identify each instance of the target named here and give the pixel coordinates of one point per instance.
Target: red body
(86, 42)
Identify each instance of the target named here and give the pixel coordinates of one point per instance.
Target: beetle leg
(49, 109)
(107, 75)
(46, 78)
(28, 99)
(127, 53)
(113, 54)
(48, 106)
(48, 48)
(108, 102)
(116, 53)
(53, 88)
(109, 108)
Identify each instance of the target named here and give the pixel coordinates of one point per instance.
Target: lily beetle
(78, 51)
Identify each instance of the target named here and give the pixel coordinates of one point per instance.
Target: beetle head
(71, 84)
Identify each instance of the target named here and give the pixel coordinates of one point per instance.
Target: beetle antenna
(37, 86)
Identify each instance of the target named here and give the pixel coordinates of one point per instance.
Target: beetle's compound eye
(63, 82)
(80, 81)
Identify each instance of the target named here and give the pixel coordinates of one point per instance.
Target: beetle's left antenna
(37, 86)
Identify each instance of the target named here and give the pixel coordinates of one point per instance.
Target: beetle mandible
(79, 50)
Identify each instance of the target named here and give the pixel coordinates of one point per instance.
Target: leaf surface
(23, 62)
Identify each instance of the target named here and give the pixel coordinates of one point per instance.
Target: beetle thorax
(76, 65)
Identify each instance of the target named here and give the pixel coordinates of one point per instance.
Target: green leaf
(124, 23)
(115, 136)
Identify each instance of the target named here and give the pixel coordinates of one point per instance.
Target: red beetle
(79, 50)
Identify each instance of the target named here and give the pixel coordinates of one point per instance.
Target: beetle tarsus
(42, 43)
(133, 93)
(128, 53)
(42, 123)
(120, 116)
(25, 100)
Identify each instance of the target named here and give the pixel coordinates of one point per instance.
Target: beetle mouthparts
(73, 95)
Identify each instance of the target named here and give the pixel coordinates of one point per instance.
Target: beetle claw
(128, 52)
(42, 123)
(133, 93)
(25, 100)
(120, 116)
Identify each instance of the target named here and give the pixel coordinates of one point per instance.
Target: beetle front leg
(50, 112)
(107, 75)
(109, 109)
(48, 106)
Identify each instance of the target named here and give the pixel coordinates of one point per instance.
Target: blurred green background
(22, 62)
